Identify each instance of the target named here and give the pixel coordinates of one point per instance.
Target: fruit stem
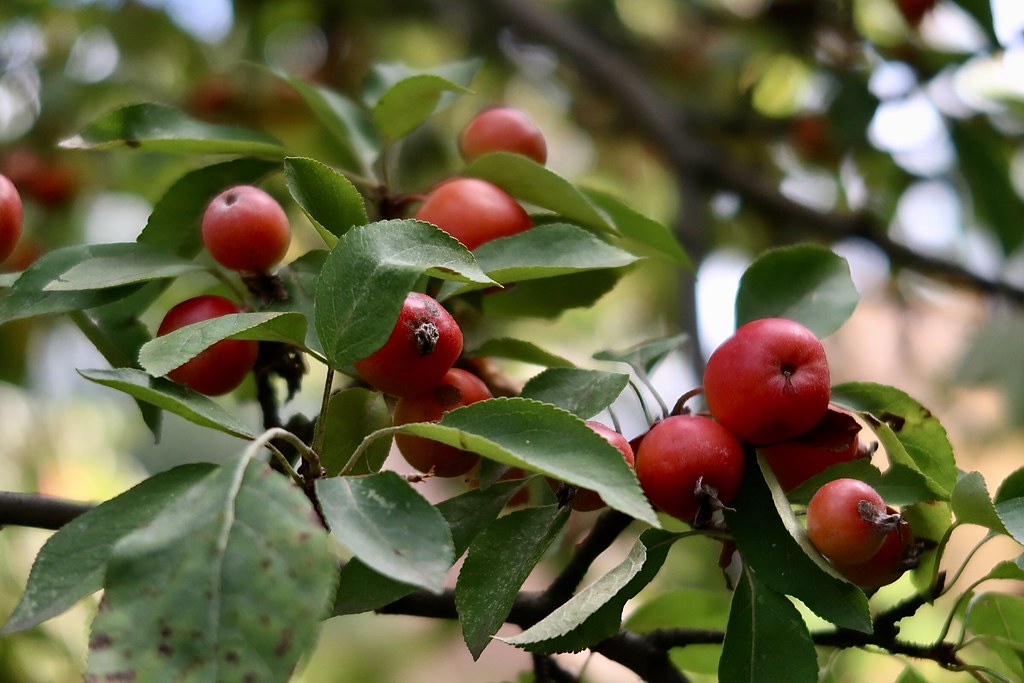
(680, 407)
(884, 522)
(320, 428)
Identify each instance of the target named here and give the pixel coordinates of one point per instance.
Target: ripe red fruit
(888, 564)
(914, 10)
(769, 381)
(245, 229)
(458, 388)
(10, 217)
(49, 182)
(585, 500)
(423, 346)
(474, 211)
(833, 440)
(503, 129)
(219, 368)
(683, 458)
(847, 521)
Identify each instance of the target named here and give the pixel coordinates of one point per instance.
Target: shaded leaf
(389, 526)
(227, 584)
(642, 234)
(515, 543)
(584, 393)
(972, 505)
(352, 414)
(520, 350)
(331, 202)
(644, 357)
(361, 589)
(540, 437)
(173, 398)
(129, 265)
(550, 297)
(766, 633)
(535, 184)
(806, 283)
(171, 350)
(409, 101)
(71, 563)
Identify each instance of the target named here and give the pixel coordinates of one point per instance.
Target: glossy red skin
(769, 381)
(833, 440)
(885, 566)
(474, 211)
(220, 368)
(10, 217)
(835, 525)
(458, 388)
(586, 500)
(679, 450)
(245, 229)
(503, 129)
(401, 367)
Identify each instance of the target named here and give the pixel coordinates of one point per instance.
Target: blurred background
(888, 132)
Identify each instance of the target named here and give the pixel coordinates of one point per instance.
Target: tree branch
(38, 511)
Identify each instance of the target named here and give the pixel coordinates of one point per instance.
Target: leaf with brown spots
(183, 591)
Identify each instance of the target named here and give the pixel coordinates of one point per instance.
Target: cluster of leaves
(223, 572)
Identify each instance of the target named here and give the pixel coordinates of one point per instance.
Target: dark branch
(609, 525)
(693, 156)
(38, 511)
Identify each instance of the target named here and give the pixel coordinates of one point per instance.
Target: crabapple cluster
(768, 388)
(10, 217)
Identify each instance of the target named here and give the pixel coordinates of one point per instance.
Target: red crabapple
(10, 217)
(245, 229)
(503, 129)
(685, 460)
(585, 500)
(769, 381)
(219, 368)
(833, 440)
(456, 389)
(847, 521)
(424, 344)
(474, 211)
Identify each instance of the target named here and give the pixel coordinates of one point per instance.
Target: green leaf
(299, 279)
(537, 436)
(514, 543)
(1009, 504)
(999, 616)
(550, 297)
(133, 263)
(29, 297)
(390, 527)
(993, 356)
(595, 613)
(361, 589)
(535, 184)
(584, 393)
(171, 350)
(159, 128)
(174, 223)
(172, 397)
(891, 412)
(367, 276)
(806, 283)
(766, 633)
(332, 203)
(775, 546)
(640, 233)
(344, 120)
(987, 169)
(972, 504)
(404, 106)
(227, 584)
(352, 414)
(644, 357)
(542, 252)
(519, 350)
(71, 563)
